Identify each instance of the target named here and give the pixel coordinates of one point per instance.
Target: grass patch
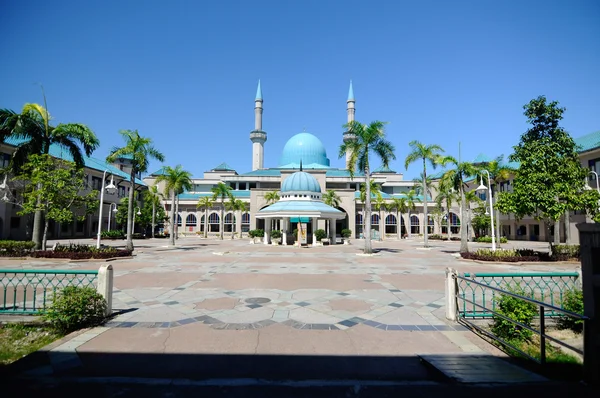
(18, 340)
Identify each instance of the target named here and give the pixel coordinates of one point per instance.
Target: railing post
(451, 291)
(105, 286)
(542, 336)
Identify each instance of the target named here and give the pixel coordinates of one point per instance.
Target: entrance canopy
(300, 209)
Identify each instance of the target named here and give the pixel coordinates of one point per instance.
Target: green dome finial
(258, 91)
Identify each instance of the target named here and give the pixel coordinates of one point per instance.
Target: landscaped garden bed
(18, 340)
(558, 253)
(71, 251)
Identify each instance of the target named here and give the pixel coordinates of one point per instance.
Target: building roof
(197, 195)
(342, 173)
(90, 162)
(300, 208)
(223, 167)
(383, 169)
(306, 148)
(159, 172)
(482, 158)
(263, 173)
(588, 142)
(300, 181)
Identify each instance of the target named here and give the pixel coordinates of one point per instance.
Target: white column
(314, 228)
(332, 229)
(267, 230)
(285, 226)
(451, 300)
(105, 285)
(238, 223)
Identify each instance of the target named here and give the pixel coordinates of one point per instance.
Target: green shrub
(256, 233)
(320, 234)
(515, 309)
(13, 248)
(346, 233)
(114, 234)
(497, 252)
(488, 239)
(276, 234)
(572, 301)
(295, 233)
(75, 308)
(565, 252)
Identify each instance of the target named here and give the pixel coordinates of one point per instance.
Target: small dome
(304, 147)
(301, 182)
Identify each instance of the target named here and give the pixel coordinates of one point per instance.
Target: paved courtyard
(182, 309)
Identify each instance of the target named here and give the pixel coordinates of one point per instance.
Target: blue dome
(304, 147)
(300, 182)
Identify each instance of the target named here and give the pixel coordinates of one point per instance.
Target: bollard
(105, 286)
(451, 300)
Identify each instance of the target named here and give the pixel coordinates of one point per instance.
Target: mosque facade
(303, 153)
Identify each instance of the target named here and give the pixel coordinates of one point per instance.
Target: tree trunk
(206, 223)
(469, 225)
(130, 208)
(153, 217)
(367, 221)
(45, 235)
(464, 244)
(567, 227)
(557, 232)
(232, 223)
(425, 217)
(448, 220)
(37, 224)
(381, 222)
(498, 226)
(177, 217)
(409, 226)
(398, 225)
(222, 221)
(172, 226)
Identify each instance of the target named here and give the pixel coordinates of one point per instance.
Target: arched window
(359, 225)
(359, 219)
(229, 222)
(375, 219)
(430, 225)
(213, 222)
(391, 224)
(179, 220)
(245, 222)
(190, 220)
(414, 225)
(202, 223)
(454, 224)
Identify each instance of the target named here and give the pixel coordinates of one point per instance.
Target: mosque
(301, 178)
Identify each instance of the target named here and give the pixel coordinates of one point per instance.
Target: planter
(346, 241)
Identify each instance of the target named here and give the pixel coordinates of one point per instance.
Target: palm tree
(418, 184)
(221, 191)
(380, 205)
(446, 195)
(332, 199)
(272, 197)
(139, 150)
(456, 178)
(411, 199)
(176, 181)
(470, 197)
(205, 203)
(498, 173)
(32, 126)
(234, 205)
(426, 153)
(400, 206)
(155, 198)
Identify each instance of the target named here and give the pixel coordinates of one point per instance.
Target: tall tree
(446, 196)
(380, 205)
(235, 206)
(470, 197)
(427, 154)
(411, 200)
(375, 194)
(399, 206)
(176, 181)
(499, 173)
(55, 187)
(332, 199)
(139, 150)
(154, 198)
(272, 197)
(550, 179)
(33, 127)
(456, 178)
(205, 203)
(221, 191)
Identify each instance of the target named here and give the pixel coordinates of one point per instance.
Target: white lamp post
(587, 186)
(134, 213)
(110, 213)
(111, 188)
(489, 188)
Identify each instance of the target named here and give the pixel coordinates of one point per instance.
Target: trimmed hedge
(114, 234)
(442, 237)
(514, 256)
(488, 239)
(13, 248)
(81, 252)
(346, 233)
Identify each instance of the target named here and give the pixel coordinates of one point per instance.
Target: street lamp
(489, 188)
(110, 213)
(134, 213)
(587, 186)
(111, 188)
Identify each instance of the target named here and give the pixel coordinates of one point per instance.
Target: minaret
(257, 136)
(348, 136)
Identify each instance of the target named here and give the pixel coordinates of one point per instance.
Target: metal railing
(543, 309)
(547, 287)
(28, 292)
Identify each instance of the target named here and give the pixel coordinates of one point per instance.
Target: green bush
(256, 233)
(346, 233)
(295, 233)
(572, 301)
(488, 239)
(75, 308)
(276, 234)
(497, 252)
(515, 309)
(320, 234)
(114, 234)
(13, 248)
(565, 252)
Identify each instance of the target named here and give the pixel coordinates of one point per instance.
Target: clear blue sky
(185, 72)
